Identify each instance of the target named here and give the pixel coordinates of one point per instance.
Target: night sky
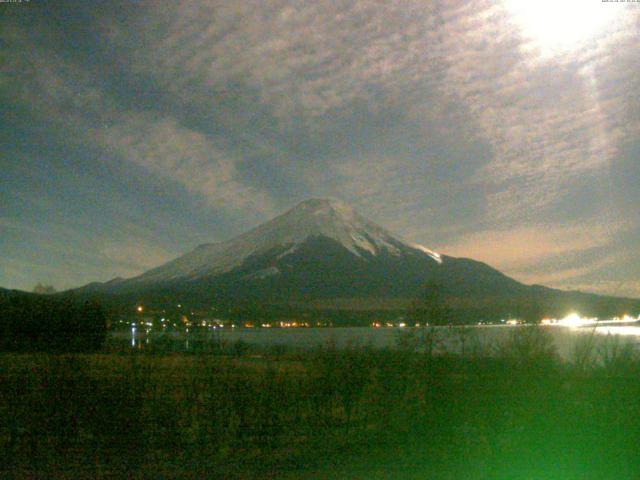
(506, 131)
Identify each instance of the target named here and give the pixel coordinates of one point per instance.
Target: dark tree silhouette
(431, 307)
(38, 323)
(44, 289)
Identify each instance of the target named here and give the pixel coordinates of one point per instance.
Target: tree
(94, 325)
(44, 289)
(431, 308)
(35, 323)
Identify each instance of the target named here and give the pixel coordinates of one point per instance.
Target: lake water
(449, 339)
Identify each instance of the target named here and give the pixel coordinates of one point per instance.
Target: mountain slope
(313, 218)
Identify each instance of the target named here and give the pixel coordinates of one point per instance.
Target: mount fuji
(279, 240)
(323, 253)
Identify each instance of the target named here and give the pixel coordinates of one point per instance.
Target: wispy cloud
(72, 99)
(166, 148)
(517, 248)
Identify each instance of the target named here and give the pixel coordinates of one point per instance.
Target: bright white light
(560, 26)
(572, 320)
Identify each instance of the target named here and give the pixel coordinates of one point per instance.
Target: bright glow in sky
(561, 26)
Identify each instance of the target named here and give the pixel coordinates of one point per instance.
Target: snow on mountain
(333, 219)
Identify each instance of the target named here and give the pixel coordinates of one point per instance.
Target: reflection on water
(626, 331)
(450, 339)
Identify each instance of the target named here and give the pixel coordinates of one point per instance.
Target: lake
(482, 338)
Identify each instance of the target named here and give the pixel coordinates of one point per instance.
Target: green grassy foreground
(518, 413)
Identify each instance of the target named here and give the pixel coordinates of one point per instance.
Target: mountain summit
(312, 219)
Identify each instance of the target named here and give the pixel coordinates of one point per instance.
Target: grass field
(516, 413)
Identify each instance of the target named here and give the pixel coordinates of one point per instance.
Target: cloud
(164, 147)
(52, 86)
(305, 60)
(308, 67)
(618, 288)
(558, 255)
(68, 96)
(134, 254)
(546, 121)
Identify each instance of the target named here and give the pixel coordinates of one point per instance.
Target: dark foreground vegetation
(40, 323)
(513, 412)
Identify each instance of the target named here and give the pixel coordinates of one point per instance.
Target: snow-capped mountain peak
(328, 218)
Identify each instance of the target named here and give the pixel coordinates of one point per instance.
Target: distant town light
(572, 320)
(139, 309)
